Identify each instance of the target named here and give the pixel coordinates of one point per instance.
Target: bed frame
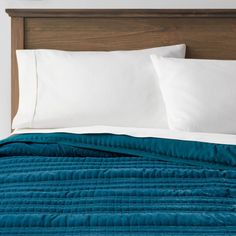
(207, 33)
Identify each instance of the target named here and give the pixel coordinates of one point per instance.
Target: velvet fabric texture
(103, 184)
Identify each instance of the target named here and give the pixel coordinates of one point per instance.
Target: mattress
(115, 184)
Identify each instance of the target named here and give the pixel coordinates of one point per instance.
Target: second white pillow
(200, 95)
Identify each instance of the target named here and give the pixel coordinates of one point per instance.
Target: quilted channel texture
(65, 184)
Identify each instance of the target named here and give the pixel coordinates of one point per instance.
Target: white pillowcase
(200, 95)
(71, 89)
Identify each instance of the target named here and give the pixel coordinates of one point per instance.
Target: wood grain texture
(17, 42)
(206, 38)
(207, 33)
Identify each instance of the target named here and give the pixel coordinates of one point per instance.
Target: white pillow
(200, 95)
(70, 89)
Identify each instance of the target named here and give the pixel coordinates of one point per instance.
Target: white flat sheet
(139, 132)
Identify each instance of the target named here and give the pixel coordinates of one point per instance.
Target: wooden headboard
(207, 33)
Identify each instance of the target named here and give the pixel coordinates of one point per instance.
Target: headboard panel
(207, 33)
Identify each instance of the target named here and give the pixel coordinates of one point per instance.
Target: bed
(114, 181)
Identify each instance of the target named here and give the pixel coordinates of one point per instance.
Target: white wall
(5, 31)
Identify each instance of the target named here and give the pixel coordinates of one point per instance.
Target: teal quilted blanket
(103, 184)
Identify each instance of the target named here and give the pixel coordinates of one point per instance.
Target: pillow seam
(36, 90)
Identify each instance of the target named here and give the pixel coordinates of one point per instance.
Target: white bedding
(199, 95)
(140, 132)
(71, 89)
